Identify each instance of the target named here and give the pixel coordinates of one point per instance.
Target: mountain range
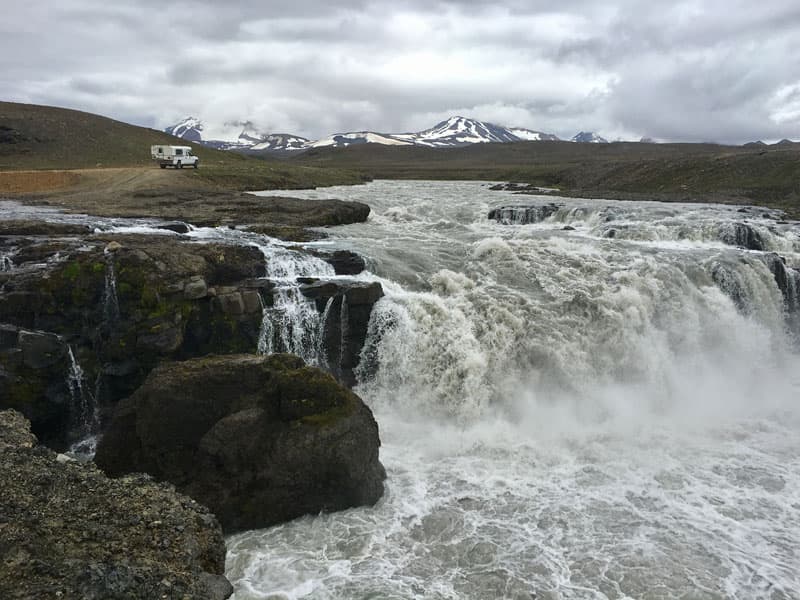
(455, 131)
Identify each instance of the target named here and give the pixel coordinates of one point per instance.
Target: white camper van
(176, 156)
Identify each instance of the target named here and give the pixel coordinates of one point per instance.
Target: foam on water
(563, 415)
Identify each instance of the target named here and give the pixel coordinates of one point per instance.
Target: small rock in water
(113, 247)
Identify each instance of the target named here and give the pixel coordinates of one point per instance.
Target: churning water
(564, 414)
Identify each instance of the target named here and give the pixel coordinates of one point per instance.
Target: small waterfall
(292, 323)
(6, 264)
(110, 298)
(323, 322)
(344, 319)
(84, 409)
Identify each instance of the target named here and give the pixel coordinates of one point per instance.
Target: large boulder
(67, 531)
(259, 440)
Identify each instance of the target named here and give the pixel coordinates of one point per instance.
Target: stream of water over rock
(565, 412)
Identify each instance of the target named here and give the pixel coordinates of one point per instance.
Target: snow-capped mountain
(588, 137)
(455, 131)
(281, 142)
(460, 131)
(235, 135)
(190, 129)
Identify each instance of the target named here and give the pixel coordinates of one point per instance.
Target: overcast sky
(695, 70)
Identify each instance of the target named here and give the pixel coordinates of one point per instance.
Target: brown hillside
(36, 137)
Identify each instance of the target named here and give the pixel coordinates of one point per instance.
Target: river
(566, 413)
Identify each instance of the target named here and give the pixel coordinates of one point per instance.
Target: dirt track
(112, 180)
(130, 191)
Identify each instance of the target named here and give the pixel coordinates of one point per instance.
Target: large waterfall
(595, 400)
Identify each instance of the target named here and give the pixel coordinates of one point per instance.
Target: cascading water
(564, 413)
(110, 298)
(6, 264)
(84, 410)
(291, 323)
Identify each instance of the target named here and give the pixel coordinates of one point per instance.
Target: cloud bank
(696, 70)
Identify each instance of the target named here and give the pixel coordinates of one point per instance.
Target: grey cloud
(690, 70)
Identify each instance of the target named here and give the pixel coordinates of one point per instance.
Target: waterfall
(110, 299)
(344, 320)
(6, 264)
(562, 413)
(321, 349)
(292, 322)
(84, 409)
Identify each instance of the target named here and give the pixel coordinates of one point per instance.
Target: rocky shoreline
(150, 343)
(68, 531)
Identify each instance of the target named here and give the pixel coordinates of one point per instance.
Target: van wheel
(197, 162)
(179, 165)
(163, 166)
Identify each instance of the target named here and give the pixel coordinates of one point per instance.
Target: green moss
(332, 416)
(71, 271)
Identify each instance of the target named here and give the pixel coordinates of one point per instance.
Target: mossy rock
(260, 440)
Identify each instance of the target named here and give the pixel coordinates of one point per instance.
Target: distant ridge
(454, 132)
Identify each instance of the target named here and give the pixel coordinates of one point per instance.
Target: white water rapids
(563, 415)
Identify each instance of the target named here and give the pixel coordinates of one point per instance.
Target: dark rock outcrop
(311, 213)
(123, 303)
(176, 226)
(344, 262)
(523, 215)
(742, 235)
(260, 440)
(290, 233)
(33, 377)
(347, 307)
(30, 227)
(787, 279)
(67, 531)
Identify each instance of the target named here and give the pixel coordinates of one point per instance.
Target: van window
(161, 151)
(178, 152)
(188, 153)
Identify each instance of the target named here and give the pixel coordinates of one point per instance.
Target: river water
(564, 414)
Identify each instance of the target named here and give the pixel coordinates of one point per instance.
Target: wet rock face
(123, 305)
(33, 377)
(70, 532)
(742, 235)
(259, 440)
(523, 215)
(345, 262)
(346, 321)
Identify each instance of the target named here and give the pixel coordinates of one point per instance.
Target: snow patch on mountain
(529, 135)
(359, 137)
(282, 141)
(588, 137)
